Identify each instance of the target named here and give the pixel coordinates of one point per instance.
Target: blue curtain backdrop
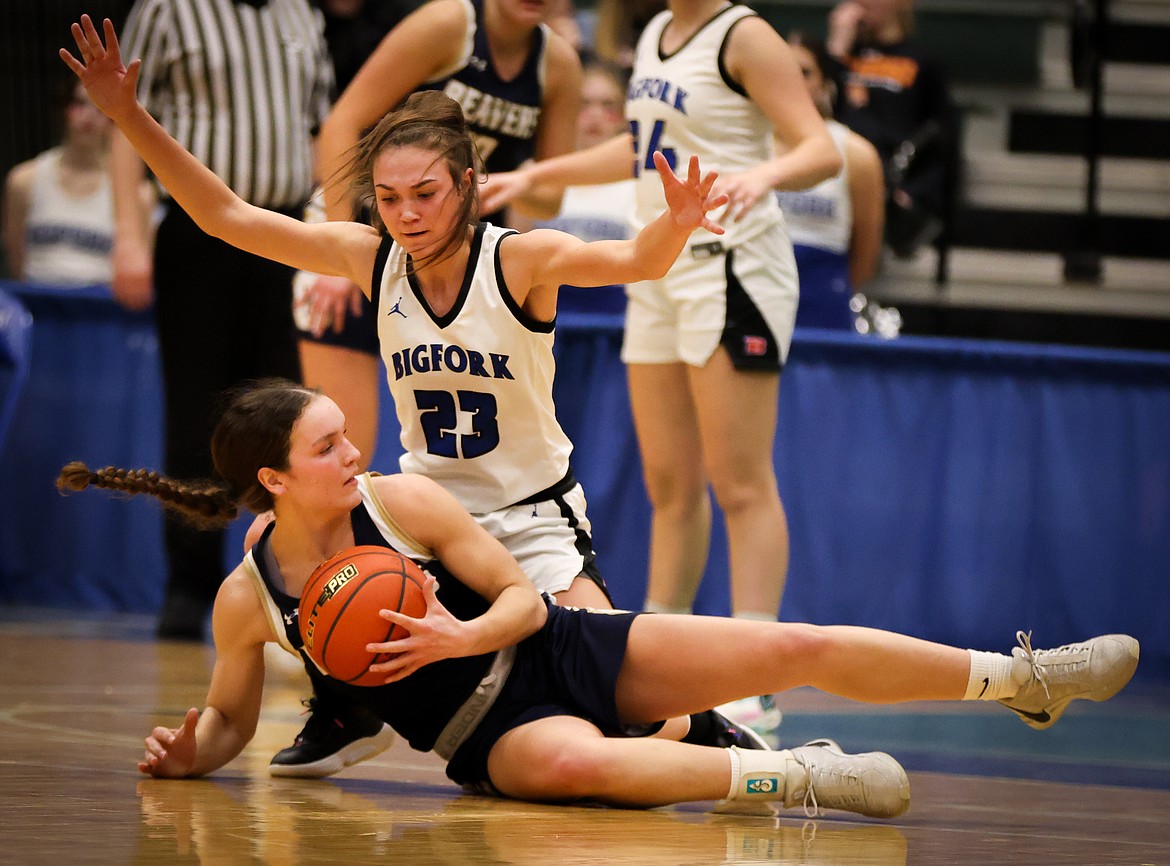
(954, 490)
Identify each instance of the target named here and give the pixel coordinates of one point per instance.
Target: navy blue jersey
(569, 667)
(420, 706)
(502, 116)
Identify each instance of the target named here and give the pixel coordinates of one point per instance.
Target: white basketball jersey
(685, 104)
(822, 216)
(472, 388)
(67, 238)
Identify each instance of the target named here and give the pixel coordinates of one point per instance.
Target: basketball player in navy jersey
(528, 699)
(469, 352)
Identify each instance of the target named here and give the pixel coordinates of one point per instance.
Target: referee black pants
(223, 316)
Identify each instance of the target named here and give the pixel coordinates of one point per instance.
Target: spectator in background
(58, 207)
(836, 226)
(892, 91)
(243, 85)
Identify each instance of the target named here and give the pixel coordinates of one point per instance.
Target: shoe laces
(1038, 673)
(1041, 668)
(812, 809)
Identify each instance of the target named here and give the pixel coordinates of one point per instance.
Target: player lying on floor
(531, 700)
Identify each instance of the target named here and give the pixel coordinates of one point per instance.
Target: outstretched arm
(545, 259)
(338, 249)
(607, 162)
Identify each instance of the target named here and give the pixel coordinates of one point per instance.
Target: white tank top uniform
(473, 394)
(737, 289)
(67, 238)
(820, 223)
(473, 387)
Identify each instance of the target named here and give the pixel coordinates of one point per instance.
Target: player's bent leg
(583, 593)
(564, 759)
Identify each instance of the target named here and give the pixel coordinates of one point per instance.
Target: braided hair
(254, 431)
(206, 505)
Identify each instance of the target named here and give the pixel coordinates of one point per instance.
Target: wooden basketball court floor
(78, 696)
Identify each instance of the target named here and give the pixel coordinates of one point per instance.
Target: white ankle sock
(736, 771)
(655, 607)
(758, 775)
(991, 677)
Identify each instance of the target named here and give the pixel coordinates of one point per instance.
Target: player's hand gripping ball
(340, 604)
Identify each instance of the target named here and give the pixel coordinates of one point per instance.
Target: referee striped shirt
(243, 86)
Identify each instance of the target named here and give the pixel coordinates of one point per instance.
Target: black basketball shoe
(332, 739)
(712, 728)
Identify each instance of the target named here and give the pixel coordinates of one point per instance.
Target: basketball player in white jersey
(519, 85)
(465, 314)
(705, 344)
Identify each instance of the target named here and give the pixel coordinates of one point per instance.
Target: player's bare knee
(800, 642)
(735, 492)
(679, 491)
(579, 771)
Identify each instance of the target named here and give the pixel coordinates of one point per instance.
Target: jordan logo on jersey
(434, 357)
(395, 309)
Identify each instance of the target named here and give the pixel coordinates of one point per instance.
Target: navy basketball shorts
(568, 668)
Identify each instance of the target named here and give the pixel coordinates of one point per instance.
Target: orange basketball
(340, 604)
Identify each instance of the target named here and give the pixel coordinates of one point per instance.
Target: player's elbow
(654, 267)
(831, 163)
